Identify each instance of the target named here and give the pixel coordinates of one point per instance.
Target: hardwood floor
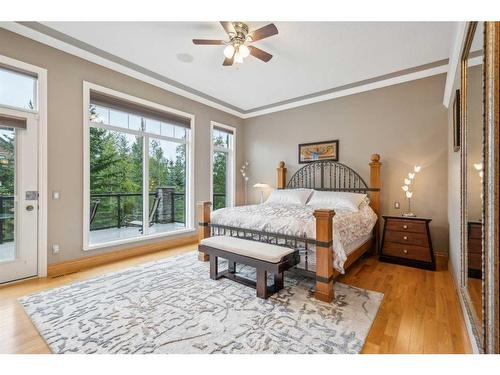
(420, 312)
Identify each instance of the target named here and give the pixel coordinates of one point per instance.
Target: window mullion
(145, 185)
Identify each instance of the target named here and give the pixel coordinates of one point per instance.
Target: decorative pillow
(337, 200)
(290, 196)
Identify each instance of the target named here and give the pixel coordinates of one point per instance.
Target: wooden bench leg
(278, 281)
(262, 283)
(214, 267)
(231, 267)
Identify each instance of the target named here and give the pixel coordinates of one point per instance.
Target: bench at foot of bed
(263, 257)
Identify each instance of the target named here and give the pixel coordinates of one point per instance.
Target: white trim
(231, 151)
(139, 239)
(189, 190)
(41, 74)
(68, 48)
(42, 155)
(454, 63)
(355, 90)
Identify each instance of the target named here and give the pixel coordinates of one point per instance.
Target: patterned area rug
(172, 306)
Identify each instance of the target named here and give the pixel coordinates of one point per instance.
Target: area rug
(172, 306)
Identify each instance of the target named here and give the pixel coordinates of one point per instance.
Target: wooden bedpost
(375, 195)
(203, 214)
(281, 175)
(324, 255)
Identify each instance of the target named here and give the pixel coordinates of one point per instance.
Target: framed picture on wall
(328, 150)
(457, 131)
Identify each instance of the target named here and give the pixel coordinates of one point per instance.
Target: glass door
(18, 195)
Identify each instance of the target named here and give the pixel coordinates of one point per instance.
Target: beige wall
(406, 124)
(65, 165)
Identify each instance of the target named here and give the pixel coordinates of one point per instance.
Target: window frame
(231, 152)
(20, 70)
(189, 188)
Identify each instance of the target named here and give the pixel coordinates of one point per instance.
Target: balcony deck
(115, 234)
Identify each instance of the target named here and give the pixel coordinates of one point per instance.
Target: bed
(329, 241)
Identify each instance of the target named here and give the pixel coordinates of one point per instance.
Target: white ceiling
(309, 57)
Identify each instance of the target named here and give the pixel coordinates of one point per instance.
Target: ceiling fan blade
(260, 54)
(228, 26)
(208, 41)
(264, 32)
(228, 61)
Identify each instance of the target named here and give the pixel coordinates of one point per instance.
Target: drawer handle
(405, 251)
(405, 226)
(405, 238)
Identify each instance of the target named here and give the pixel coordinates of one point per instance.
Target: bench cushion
(253, 249)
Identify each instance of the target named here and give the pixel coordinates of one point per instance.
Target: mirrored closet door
(479, 279)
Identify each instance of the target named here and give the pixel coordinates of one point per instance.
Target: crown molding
(62, 42)
(39, 33)
(456, 50)
(406, 75)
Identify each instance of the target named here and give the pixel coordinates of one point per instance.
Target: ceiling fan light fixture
(229, 51)
(243, 51)
(238, 58)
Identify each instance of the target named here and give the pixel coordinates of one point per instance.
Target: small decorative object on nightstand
(407, 241)
(407, 189)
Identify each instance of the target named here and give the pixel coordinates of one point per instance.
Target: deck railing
(6, 218)
(114, 210)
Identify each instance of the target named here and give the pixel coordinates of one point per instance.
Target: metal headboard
(328, 175)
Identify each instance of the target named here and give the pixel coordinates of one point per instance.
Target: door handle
(30, 207)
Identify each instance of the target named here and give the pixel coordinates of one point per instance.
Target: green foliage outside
(116, 167)
(7, 178)
(219, 175)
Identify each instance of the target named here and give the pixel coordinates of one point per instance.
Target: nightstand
(407, 241)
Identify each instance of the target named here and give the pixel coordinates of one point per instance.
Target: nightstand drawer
(474, 261)
(475, 231)
(419, 239)
(474, 246)
(406, 226)
(407, 251)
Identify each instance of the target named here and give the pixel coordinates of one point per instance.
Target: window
(223, 184)
(138, 176)
(18, 89)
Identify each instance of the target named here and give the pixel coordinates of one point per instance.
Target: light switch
(55, 248)
(396, 205)
(55, 195)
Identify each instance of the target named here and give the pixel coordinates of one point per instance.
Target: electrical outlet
(397, 205)
(55, 249)
(55, 195)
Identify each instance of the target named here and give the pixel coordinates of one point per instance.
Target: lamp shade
(260, 185)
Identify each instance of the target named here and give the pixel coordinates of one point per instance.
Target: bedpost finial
(375, 158)
(282, 164)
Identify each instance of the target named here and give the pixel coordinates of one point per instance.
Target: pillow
(290, 196)
(337, 200)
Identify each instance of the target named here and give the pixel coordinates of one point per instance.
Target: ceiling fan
(237, 48)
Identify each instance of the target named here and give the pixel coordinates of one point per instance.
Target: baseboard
(441, 261)
(71, 266)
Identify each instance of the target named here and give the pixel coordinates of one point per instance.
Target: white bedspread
(298, 221)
